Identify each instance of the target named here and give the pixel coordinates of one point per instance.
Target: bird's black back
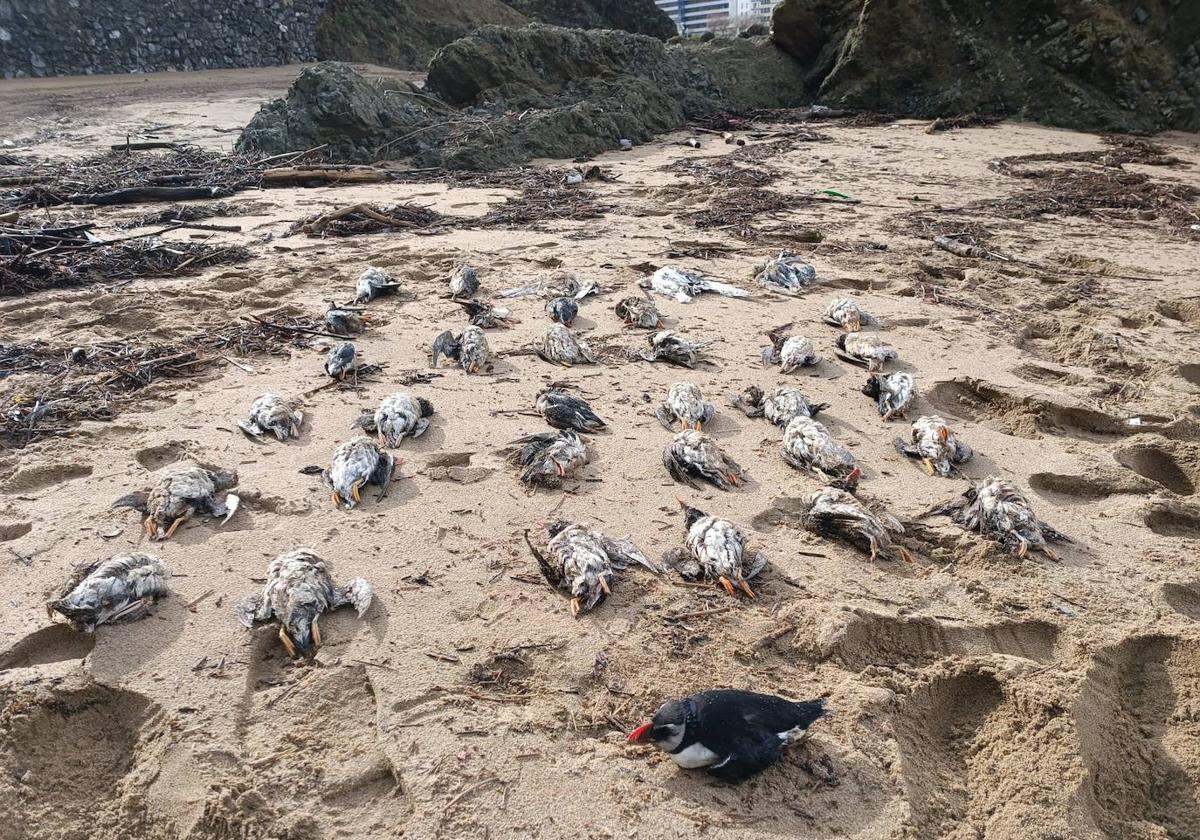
(726, 716)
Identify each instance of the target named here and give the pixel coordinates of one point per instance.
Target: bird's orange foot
(726, 585)
(745, 587)
(287, 642)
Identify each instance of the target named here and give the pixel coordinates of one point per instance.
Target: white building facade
(695, 17)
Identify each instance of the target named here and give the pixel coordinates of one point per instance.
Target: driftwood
(960, 249)
(317, 226)
(334, 174)
(137, 195)
(143, 146)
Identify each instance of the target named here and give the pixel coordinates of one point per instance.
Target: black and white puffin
(345, 322)
(731, 734)
(547, 458)
(469, 348)
(778, 406)
(716, 550)
(807, 445)
(639, 311)
(373, 283)
(121, 588)
(835, 514)
(357, 463)
(270, 413)
(342, 361)
(694, 455)
(564, 410)
(564, 310)
(558, 345)
(399, 416)
(683, 285)
(893, 393)
(485, 314)
(583, 562)
(999, 511)
(936, 445)
(298, 590)
(864, 349)
(181, 492)
(846, 313)
(786, 274)
(790, 352)
(673, 348)
(464, 283)
(685, 407)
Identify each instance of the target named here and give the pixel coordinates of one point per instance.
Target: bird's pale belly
(695, 755)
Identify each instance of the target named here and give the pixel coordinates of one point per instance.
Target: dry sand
(975, 695)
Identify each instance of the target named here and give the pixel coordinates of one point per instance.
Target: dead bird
(939, 449)
(298, 590)
(563, 410)
(559, 283)
(583, 562)
(779, 406)
(399, 416)
(807, 445)
(342, 361)
(683, 285)
(716, 550)
(694, 455)
(786, 274)
(269, 413)
(469, 348)
(999, 511)
(845, 313)
(181, 492)
(464, 283)
(572, 178)
(835, 514)
(373, 283)
(893, 393)
(638, 311)
(344, 322)
(547, 458)
(789, 352)
(485, 314)
(121, 588)
(675, 349)
(564, 310)
(356, 463)
(559, 346)
(686, 407)
(864, 349)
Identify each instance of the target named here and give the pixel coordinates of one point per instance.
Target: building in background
(695, 17)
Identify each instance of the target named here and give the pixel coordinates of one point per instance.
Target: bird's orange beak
(639, 733)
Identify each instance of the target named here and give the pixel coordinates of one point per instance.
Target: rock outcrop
(641, 17)
(1083, 64)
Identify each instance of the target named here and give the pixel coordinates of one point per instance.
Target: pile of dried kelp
(369, 218)
(47, 389)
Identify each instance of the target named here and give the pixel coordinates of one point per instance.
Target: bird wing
(247, 610)
(723, 289)
(752, 755)
(137, 501)
(549, 571)
(621, 552)
(357, 593)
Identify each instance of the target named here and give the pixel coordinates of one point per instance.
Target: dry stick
(292, 155)
(198, 599)
(199, 226)
(285, 328)
(697, 614)
(774, 636)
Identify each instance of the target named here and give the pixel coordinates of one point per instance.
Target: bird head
(841, 341)
(557, 527)
(426, 407)
(691, 515)
(666, 729)
(873, 386)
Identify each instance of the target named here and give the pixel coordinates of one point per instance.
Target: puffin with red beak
(731, 734)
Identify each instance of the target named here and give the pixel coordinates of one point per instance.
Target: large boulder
(355, 118)
(1084, 64)
(639, 16)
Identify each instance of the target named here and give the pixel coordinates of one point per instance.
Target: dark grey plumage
(836, 514)
(787, 274)
(564, 310)
(673, 348)
(464, 283)
(181, 492)
(807, 445)
(583, 562)
(470, 349)
(342, 361)
(563, 410)
(121, 588)
(999, 511)
(693, 455)
(779, 406)
(357, 463)
(893, 393)
(298, 590)
(483, 313)
(639, 311)
(547, 458)
(373, 283)
(270, 413)
(790, 352)
(559, 345)
(345, 322)
(939, 449)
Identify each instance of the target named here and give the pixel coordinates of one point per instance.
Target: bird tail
(810, 711)
(724, 289)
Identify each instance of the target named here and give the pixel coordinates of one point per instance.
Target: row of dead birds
(576, 559)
